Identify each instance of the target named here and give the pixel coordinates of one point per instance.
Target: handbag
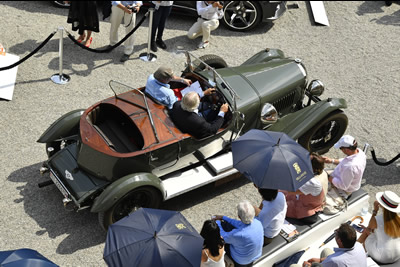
(334, 202)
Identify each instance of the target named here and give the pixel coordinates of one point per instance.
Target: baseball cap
(345, 141)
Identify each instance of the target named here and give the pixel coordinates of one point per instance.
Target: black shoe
(153, 46)
(161, 44)
(124, 58)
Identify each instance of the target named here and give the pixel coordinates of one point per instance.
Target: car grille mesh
(284, 102)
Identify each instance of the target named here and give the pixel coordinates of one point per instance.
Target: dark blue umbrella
(272, 160)
(24, 257)
(293, 259)
(151, 237)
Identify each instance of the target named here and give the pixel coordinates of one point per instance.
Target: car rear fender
(264, 56)
(62, 127)
(122, 186)
(298, 123)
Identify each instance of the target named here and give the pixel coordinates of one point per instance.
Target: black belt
(202, 18)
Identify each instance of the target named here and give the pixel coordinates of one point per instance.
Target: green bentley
(125, 152)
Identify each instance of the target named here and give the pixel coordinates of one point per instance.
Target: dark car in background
(238, 15)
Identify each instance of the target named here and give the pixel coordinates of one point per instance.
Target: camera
(133, 9)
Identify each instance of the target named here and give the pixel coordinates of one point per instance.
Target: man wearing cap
(348, 173)
(186, 116)
(157, 86)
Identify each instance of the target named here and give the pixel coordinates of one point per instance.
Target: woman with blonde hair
(381, 239)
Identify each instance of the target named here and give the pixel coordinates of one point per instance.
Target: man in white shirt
(349, 170)
(209, 14)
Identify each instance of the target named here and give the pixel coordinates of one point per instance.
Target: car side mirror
(269, 114)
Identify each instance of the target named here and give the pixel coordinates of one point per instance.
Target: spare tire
(213, 61)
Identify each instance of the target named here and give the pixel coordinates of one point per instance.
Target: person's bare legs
(88, 40)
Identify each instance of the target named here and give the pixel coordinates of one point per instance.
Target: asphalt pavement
(357, 58)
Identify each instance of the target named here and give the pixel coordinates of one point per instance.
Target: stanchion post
(149, 56)
(60, 78)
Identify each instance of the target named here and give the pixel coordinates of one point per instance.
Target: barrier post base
(148, 57)
(60, 79)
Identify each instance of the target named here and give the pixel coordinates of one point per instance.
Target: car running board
(213, 170)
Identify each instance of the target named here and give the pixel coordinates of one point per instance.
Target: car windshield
(194, 62)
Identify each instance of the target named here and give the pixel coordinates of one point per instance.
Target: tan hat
(389, 200)
(163, 73)
(345, 141)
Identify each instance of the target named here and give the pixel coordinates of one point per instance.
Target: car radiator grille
(284, 102)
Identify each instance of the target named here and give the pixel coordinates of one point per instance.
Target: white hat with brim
(389, 200)
(345, 141)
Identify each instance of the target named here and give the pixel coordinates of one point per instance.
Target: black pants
(159, 18)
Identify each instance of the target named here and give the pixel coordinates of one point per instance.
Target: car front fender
(62, 127)
(298, 123)
(124, 185)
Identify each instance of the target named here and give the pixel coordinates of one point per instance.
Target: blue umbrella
(151, 237)
(272, 160)
(24, 257)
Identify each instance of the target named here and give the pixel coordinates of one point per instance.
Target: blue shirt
(160, 91)
(126, 3)
(246, 240)
(347, 257)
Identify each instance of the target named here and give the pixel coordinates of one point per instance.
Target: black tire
(60, 4)
(141, 197)
(325, 133)
(56, 146)
(241, 15)
(213, 61)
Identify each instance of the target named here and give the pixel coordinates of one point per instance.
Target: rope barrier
(113, 46)
(383, 163)
(30, 54)
(76, 42)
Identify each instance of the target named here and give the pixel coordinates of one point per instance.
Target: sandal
(88, 42)
(79, 39)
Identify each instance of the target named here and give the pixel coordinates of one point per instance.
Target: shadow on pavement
(376, 175)
(371, 7)
(45, 206)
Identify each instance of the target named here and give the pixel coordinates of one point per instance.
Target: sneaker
(203, 45)
(124, 58)
(153, 46)
(161, 44)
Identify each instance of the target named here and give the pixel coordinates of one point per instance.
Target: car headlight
(316, 88)
(268, 114)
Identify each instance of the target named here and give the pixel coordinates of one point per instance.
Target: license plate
(58, 184)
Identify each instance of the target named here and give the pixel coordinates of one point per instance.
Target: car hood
(264, 82)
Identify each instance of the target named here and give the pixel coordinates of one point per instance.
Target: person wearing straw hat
(381, 239)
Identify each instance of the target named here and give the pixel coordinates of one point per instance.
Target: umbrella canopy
(23, 258)
(152, 237)
(293, 259)
(272, 160)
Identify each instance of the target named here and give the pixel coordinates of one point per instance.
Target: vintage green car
(125, 152)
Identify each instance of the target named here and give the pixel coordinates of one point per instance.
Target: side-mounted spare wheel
(141, 197)
(325, 133)
(213, 61)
